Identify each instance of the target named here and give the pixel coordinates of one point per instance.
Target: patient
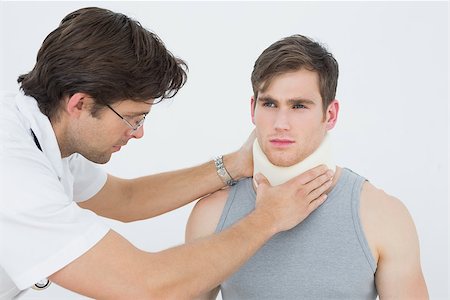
(359, 244)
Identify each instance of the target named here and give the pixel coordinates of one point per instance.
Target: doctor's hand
(288, 204)
(240, 163)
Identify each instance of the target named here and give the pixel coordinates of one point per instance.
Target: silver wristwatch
(222, 172)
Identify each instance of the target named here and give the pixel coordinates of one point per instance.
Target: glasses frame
(133, 128)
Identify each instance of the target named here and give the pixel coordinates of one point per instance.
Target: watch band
(222, 171)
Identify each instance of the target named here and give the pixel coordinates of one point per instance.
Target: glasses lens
(138, 125)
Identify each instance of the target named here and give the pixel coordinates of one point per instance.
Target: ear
(252, 108)
(77, 103)
(332, 114)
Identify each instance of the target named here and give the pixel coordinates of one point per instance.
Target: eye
(269, 104)
(298, 106)
(138, 120)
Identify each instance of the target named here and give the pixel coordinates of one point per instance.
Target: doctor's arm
(141, 198)
(115, 269)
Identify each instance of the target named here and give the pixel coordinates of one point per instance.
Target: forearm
(145, 197)
(156, 194)
(183, 272)
(198, 267)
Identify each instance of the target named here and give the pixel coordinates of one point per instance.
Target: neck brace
(278, 175)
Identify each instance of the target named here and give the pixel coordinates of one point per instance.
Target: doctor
(95, 80)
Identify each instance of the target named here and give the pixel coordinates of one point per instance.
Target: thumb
(260, 179)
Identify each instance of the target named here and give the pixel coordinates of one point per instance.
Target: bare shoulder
(386, 221)
(205, 215)
(381, 204)
(392, 237)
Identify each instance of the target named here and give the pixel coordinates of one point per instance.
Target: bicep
(399, 274)
(114, 193)
(400, 279)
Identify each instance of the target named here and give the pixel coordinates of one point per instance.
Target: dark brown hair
(294, 53)
(106, 55)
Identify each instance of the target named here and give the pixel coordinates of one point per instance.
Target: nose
(138, 133)
(281, 120)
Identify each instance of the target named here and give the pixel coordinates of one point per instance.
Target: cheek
(261, 128)
(263, 120)
(309, 122)
(107, 133)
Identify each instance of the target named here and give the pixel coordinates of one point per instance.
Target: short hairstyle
(294, 53)
(106, 55)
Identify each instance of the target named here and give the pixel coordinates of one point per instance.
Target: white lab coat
(42, 229)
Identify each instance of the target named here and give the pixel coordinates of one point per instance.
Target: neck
(279, 175)
(59, 128)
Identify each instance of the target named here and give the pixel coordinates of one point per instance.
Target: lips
(117, 147)
(281, 142)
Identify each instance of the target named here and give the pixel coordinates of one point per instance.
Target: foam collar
(278, 175)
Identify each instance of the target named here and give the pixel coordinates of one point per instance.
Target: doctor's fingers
(325, 184)
(310, 176)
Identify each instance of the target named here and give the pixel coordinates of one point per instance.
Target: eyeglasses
(135, 127)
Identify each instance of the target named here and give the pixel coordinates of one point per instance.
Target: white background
(393, 90)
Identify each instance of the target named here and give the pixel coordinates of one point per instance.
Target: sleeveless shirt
(326, 256)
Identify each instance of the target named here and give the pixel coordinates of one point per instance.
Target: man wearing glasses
(134, 125)
(96, 67)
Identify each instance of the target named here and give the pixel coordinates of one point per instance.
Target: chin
(99, 159)
(283, 161)
(283, 164)
(104, 159)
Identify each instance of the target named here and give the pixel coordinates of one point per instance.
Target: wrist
(233, 166)
(265, 221)
(222, 171)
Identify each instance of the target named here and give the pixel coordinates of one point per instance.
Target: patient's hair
(292, 54)
(106, 55)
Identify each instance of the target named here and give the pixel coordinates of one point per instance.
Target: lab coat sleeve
(89, 178)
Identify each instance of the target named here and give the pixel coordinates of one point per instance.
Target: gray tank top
(324, 257)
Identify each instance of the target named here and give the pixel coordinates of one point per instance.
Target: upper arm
(114, 193)
(392, 236)
(203, 221)
(205, 215)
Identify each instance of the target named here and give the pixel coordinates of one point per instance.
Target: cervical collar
(278, 175)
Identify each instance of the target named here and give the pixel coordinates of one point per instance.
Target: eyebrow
(290, 101)
(132, 115)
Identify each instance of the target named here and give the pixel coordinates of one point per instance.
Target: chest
(325, 257)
